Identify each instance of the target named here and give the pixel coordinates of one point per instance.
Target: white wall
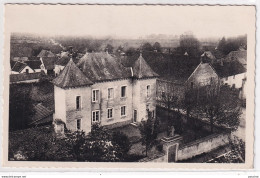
(29, 70)
(23, 71)
(234, 80)
(136, 98)
(72, 114)
(203, 145)
(58, 69)
(140, 99)
(114, 103)
(59, 103)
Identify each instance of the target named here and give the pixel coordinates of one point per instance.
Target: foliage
(232, 44)
(190, 44)
(147, 47)
(236, 153)
(75, 143)
(20, 106)
(109, 48)
(149, 132)
(37, 144)
(237, 150)
(99, 147)
(222, 109)
(189, 101)
(157, 47)
(123, 143)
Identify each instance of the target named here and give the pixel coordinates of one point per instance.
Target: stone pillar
(171, 146)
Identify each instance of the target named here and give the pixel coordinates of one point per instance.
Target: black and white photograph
(129, 84)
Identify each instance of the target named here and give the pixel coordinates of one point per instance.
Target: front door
(135, 115)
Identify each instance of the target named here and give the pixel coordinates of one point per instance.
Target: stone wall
(203, 145)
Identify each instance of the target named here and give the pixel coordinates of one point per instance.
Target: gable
(202, 73)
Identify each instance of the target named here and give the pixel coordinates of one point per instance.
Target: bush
(123, 143)
(159, 147)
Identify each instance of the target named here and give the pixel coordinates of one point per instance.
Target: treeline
(232, 44)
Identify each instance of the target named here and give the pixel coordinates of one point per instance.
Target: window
(95, 116)
(109, 113)
(123, 110)
(78, 124)
(27, 71)
(148, 90)
(78, 103)
(95, 95)
(110, 93)
(153, 113)
(123, 91)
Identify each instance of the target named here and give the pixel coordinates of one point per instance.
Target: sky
(128, 21)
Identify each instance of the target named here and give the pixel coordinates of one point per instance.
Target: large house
(99, 89)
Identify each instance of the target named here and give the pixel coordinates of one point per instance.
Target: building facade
(100, 90)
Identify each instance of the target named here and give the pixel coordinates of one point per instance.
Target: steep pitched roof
(71, 76)
(209, 55)
(240, 56)
(41, 114)
(24, 77)
(34, 64)
(12, 63)
(49, 62)
(19, 66)
(45, 53)
(203, 66)
(102, 66)
(229, 68)
(142, 70)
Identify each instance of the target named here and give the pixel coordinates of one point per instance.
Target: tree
(76, 142)
(157, 47)
(123, 144)
(237, 150)
(21, 107)
(219, 109)
(189, 101)
(147, 47)
(109, 48)
(189, 44)
(99, 146)
(170, 101)
(149, 132)
(222, 44)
